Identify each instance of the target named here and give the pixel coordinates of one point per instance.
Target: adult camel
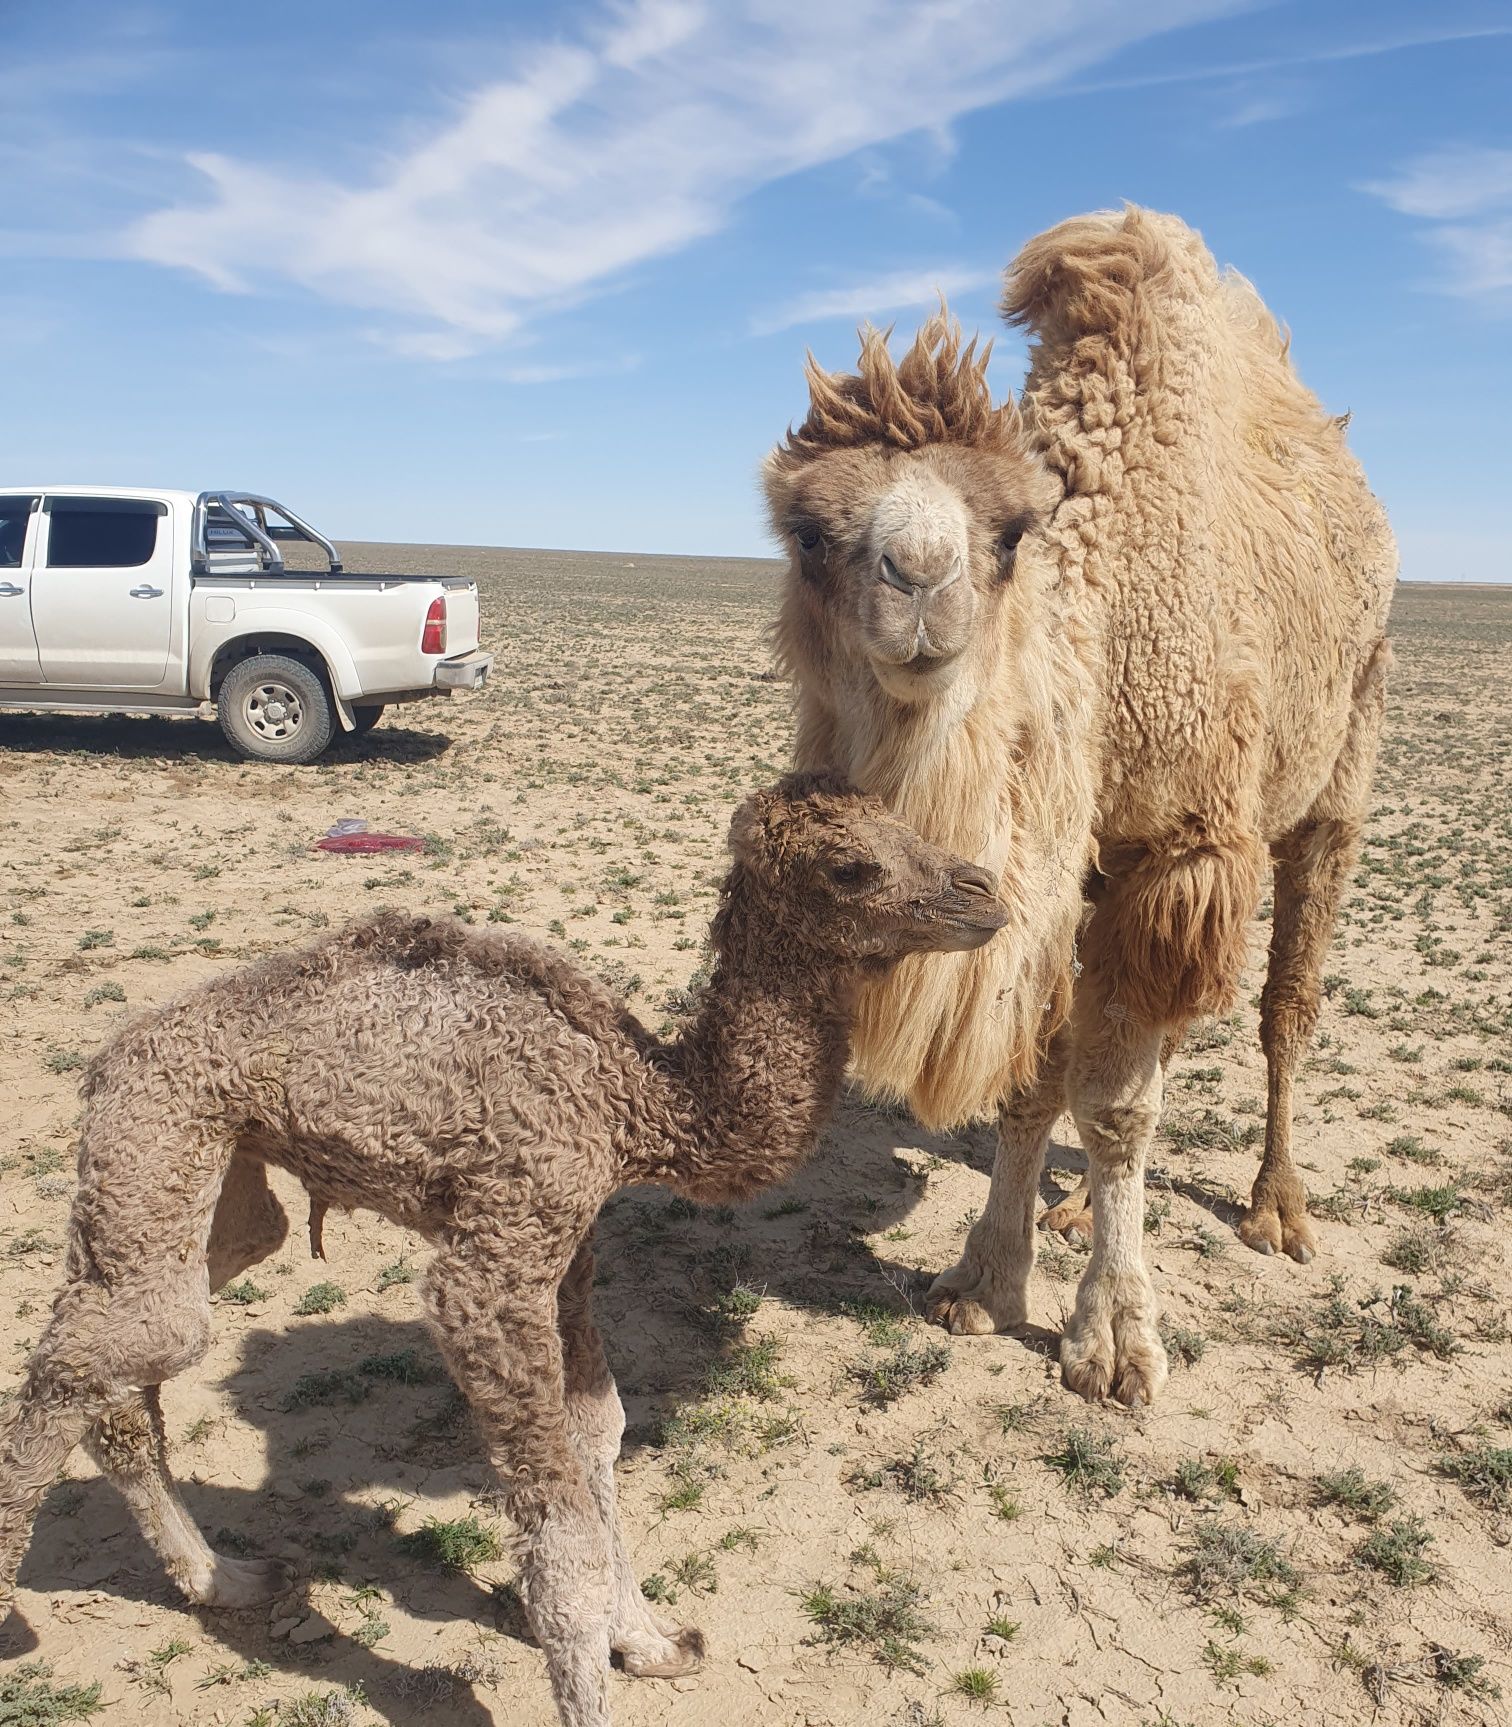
(1116, 643)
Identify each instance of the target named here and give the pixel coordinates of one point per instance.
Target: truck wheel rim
(274, 711)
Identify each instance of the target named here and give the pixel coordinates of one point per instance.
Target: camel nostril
(888, 571)
(974, 881)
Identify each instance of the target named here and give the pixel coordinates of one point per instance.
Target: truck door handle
(146, 593)
(10, 589)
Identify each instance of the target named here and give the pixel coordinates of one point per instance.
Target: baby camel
(484, 1091)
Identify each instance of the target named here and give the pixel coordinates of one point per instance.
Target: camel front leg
(1111, 1343)
(649, 1646)
(987, 1289)
(495, 1316)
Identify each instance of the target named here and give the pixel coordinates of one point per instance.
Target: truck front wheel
(275, 709)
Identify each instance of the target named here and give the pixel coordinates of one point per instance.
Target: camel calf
(484, 1091)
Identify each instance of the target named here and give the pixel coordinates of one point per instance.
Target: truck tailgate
(461, 620)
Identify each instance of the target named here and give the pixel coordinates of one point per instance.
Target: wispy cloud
(1368, 48)
(897, 292)
(1464, 180)
(1465, 193)
(1259, 110)
(628, 141)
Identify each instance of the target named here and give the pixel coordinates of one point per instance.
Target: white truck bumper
(466, 672)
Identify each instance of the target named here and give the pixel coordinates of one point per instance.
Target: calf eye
(854, 872)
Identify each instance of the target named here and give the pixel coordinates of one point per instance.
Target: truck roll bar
(231, 503)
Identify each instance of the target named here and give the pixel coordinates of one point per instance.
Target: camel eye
(1008, 545)
(807, 535)
(854, 872)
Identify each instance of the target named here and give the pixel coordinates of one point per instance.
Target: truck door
(18, 645)
(102, 596)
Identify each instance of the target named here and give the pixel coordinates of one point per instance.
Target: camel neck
(755, 1076)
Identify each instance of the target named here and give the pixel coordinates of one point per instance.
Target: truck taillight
(433, 636)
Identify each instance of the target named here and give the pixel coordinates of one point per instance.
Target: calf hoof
(244, 1582)
(647, 1656)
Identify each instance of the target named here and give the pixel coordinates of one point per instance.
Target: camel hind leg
(130, 1446)
(650, 1647)
(134, 1311)
(131, 1449)
(1312, 869)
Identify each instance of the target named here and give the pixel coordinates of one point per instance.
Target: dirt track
(981, 1540)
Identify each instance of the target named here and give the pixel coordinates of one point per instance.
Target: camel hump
(1106, 272)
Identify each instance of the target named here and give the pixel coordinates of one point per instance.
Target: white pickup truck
(117, 599)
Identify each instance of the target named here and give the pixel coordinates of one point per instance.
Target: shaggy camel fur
(1115, 648)
(481, 1089)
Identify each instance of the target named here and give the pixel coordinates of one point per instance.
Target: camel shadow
(822, 1242)
(141, 737)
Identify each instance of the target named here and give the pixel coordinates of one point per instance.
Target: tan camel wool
(1117, 643)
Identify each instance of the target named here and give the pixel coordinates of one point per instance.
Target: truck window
(102, 533)
(222, 534)
(14, 515)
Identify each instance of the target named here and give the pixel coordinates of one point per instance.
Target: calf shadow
(359, 1420)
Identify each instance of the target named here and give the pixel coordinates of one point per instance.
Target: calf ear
(750, 829)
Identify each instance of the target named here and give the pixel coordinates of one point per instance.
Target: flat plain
(871, 1522)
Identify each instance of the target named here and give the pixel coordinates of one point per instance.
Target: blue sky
(544, 274)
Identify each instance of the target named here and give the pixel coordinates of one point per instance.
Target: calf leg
(649, 1646)
(131, 1449)
(134, 1310)
(130, 1446)
(101, 1349)
(987, 1289)
(496, 1321)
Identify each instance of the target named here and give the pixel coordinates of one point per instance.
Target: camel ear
(748, 826)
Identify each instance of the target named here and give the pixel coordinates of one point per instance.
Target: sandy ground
(867, 1529)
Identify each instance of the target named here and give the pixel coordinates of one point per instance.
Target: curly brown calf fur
(484, 1091)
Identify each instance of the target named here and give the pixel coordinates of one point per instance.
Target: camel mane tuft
(936, 394)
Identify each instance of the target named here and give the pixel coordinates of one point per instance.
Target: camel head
(821, 869)
(902, 500)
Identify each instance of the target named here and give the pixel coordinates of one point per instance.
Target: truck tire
(274, 708)
(364, 719)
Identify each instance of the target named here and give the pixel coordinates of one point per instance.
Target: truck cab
(120, 599)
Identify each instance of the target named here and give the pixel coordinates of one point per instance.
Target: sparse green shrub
(461, 1544)
(886, 1621)
(1088, 1462)
(321, 1298)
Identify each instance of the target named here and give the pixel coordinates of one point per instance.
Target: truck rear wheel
(364, 719)
(274, 708)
